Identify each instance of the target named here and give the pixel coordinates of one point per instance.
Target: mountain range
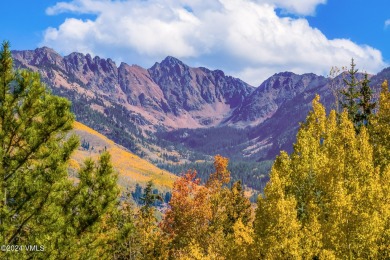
(172, 114)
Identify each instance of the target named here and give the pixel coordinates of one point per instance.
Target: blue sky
(250, 39)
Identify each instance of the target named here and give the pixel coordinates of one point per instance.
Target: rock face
(191, 89)
(272, 94)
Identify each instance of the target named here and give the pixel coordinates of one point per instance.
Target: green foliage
(357, 100)
(33, 156)
(328, 199)
(127, 244)
(87, 206)
(40, 205)
(157, 198)
(351, 94)
(365, 104)
(250, 174)
(149, 198)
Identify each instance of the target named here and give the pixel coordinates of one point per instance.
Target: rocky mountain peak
(171, 61)
(192, 89)
(43, 55)
(85, 63)
(171, 67)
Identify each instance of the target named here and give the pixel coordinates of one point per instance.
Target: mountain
(173, 115)
(209, 95)
(272, 93)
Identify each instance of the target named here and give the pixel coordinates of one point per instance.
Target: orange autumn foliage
(189, 214)
(200, 221)
(221, 175)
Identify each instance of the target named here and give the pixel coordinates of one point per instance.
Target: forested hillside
(131, 168)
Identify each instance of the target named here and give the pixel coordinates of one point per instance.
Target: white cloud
(245, 38)
(387, 23)
(299, 7)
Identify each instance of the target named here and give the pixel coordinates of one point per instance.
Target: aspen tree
(332, 192)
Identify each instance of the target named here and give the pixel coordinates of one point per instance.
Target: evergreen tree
(92, 199)
(40, 205)
(351, 93)
(33, 157)
(146, 222)
(365, 104)
(149, 198)
(136, 195)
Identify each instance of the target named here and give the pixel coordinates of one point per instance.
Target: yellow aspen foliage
(242, 233)
(327, 199)
(194, 252)
(384, 243)
(276, 223)
(380, 130)
(242, 242)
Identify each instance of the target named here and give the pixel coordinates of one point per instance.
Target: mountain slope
(271, 94)
(131, 168)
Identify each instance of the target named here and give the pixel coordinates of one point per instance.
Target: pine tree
(91, 200)
(148, 199)
(148, 232)
(351, 93)
(365, 104)
(127, 242)
(40, 205)
(33, 156)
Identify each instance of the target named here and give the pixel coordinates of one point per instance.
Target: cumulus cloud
(245, 38)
